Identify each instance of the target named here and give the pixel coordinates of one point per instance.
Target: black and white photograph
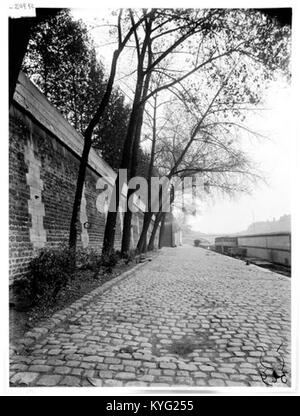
(151, 155)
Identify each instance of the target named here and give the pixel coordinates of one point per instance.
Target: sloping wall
(44, 154)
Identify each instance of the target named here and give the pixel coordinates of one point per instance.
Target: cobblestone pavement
(190, 317)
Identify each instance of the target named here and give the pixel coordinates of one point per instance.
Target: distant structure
(171, 233)
(202, 242)
(271, 247)
(189, 236)
(225, 244)
(283, 224)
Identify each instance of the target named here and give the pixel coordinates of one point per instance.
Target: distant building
(283, 224)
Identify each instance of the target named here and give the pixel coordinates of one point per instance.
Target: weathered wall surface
(273, 247)
(44, 154)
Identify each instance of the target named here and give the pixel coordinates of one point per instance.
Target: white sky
(272, 201)
(272, 155)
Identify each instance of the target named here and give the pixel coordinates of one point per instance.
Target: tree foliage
(61, 60)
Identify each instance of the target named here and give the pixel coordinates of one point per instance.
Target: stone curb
(59, 317)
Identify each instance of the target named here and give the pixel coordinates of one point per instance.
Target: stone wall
(44, 154)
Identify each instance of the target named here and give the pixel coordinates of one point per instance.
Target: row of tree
(192, 78)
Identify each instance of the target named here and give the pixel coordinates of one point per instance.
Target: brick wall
(44, 154)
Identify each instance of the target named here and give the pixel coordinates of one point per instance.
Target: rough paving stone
(112, 383)
(93, 359)
(62, 370)
(170, 366)
(40, 368)
(70, 381)
(187, 367)
(48, 380)
(136, 383)
(205, 300)
(206, 368)
(216, 382)
(24, 378)
(125, 376)
(19, 367)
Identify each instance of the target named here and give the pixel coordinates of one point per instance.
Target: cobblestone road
(190, 318)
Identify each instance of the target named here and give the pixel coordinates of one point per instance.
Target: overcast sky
(272, 155)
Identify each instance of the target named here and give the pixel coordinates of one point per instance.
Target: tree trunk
(142, 243)
(85, 153)
(160, 216)
(136, 144)
(129, 157)
(110, 226)
(78, 193)
(154, 231)
(111, 218)
(161, 230)
(132, 172)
